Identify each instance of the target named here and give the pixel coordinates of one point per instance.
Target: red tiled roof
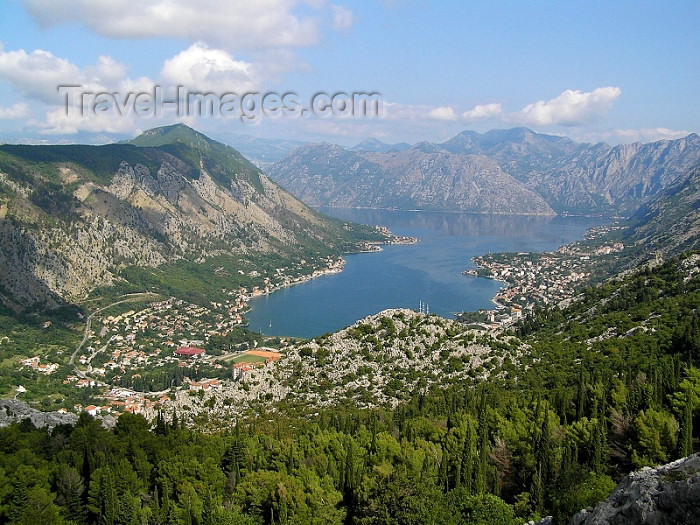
(189, 351)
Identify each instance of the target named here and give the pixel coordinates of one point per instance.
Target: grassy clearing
(246, 358)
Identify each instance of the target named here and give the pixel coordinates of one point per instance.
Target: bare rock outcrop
(665, 495)
(13, 411)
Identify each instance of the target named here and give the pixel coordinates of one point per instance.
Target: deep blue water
(403, 276)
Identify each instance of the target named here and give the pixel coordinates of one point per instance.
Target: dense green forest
(611, 384)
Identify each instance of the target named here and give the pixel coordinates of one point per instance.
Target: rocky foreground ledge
(665, 495)
(13, 411)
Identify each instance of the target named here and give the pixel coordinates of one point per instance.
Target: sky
(89, 70)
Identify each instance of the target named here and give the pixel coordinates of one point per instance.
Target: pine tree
(444, 476)
(86, 472)
(544, 453)
(685, 439)
(349, 474)
(468, 456)
(70, 489)
(103, 499)
(581, 395)
(161, 427)
(537, 491)
(483, 449)
(598, 444)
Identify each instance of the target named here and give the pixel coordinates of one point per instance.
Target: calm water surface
(404, 276)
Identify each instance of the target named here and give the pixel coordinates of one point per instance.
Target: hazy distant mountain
(329, 175)
(263, 152)
(502, 171)
(377, 146)
(515, 142)
(260, 151)
(71, 217)
(614, 179)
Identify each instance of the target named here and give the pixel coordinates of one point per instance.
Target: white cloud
(571, 108)
(106, 71)
(342, 18)
(396, 111)
(228, 24)
(623, 136)
(645, 134)
(16, 111)
(62, 122)
(36, 74)
(202, 68)
(273, 64)
(481, 112)
(442, 113)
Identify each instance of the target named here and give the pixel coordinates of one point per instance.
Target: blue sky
(595, 71)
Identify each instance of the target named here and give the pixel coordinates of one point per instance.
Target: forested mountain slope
(72, 218)
(608, 385)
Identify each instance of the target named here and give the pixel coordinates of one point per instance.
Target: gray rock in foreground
(13, 411)
(665, 495)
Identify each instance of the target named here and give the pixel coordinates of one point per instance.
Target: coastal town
(160, 354)
(537, 279)
(138, 360)
(134, 360)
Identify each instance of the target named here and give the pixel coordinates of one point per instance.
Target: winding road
(131, 297)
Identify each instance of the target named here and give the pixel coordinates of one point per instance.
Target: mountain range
(670, 222)
(544, 418)
(501, 171)
(75, 218)
(72, 217)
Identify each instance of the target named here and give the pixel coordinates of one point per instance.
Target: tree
(25, 478)
(688, 392)
(70, 489)
(469, 455)
(272, 498)
(482, 448)
(656, 438)
(685, 438)
(482, 509)
(39, 509)
(579, 489)
(397, 500)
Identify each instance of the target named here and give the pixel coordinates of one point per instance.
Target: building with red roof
(189, 351)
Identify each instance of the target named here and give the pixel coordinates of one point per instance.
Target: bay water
(428, 273)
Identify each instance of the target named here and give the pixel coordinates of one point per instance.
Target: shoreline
(475, 212)
(502, 301)
(548, 277)
(334, 267)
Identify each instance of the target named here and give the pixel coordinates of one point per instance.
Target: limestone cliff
(71, 217)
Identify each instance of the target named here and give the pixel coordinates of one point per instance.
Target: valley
(349, 263)
(506, 399)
